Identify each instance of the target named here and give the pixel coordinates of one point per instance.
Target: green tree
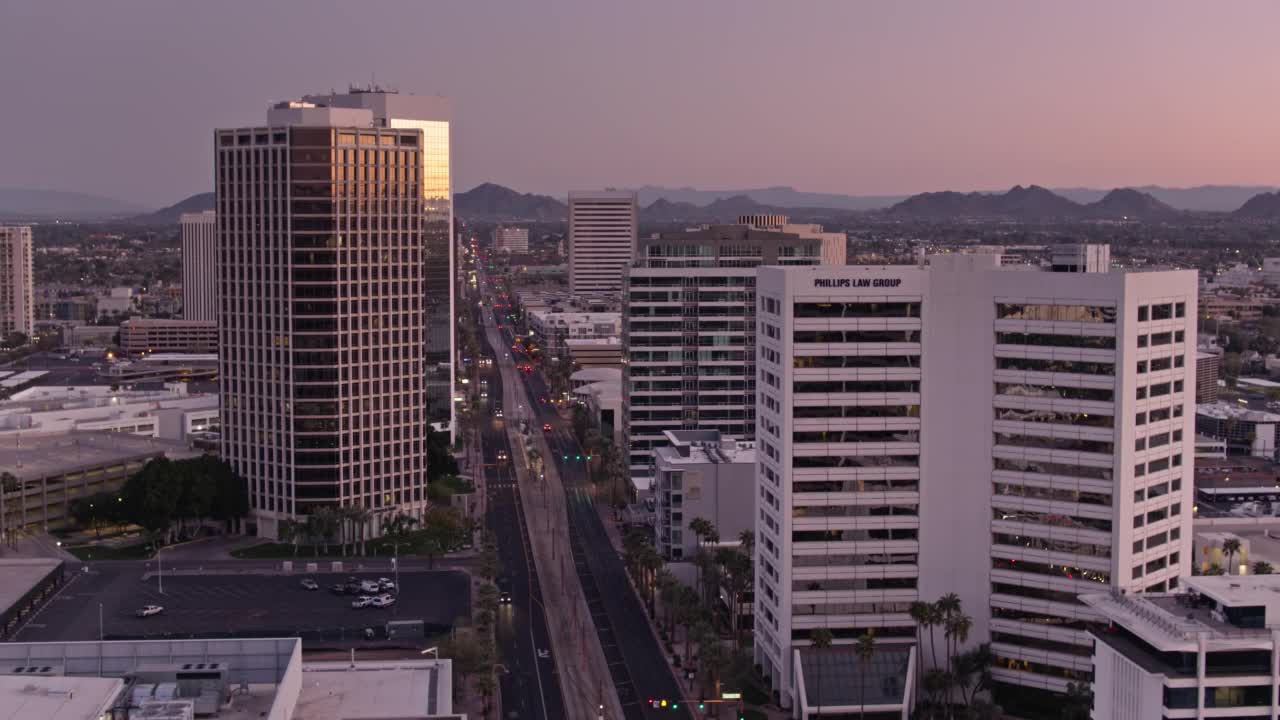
(468, 655)
(151, 496)
(1262, 567)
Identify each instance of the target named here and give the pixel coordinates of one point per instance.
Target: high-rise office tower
(1012, 436)
(689, 334)
(602, 240)
(433, 116)
(17, 299)
(322, 267)
(199, 266)
(511, 239)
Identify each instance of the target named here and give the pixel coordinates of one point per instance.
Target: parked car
(382, 601)
(386, 584)
(149, 610)
(309, 584)
(338, 589)
(363, 601)
(370, 586)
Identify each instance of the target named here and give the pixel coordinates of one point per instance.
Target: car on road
(149, 610)
(338, 589)
(502, 456)
(497, 412)
(546, 427)
(363, 601)
(382, 601)
(309, 584)
(385, 584)
(504, 590)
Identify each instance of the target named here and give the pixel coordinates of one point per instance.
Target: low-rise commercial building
(589, 353)
(152, 335)
(511, 239)
(551, 329)
(1206, 648)
(172, 413)
(224, 679)
(1247, 431)
(1208, 369)
(701, 474)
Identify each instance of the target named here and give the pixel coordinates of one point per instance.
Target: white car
(370, 586)
(385, 584)
(149, 610)
(363, 601)
(382, 601)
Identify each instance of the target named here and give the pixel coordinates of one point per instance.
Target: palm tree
(921, 615)
(668, 591)
(865, 649)
(1230, 547)
(819, 639)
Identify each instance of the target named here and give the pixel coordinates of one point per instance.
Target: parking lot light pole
(100, 633)
(160, 568)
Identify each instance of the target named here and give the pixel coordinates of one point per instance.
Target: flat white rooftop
(374, 690)
(25, 697)
(1228, 411)
(1258, 383)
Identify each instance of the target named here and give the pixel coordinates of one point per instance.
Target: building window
(1143, 313)
(1142, 366)
(1180, 310)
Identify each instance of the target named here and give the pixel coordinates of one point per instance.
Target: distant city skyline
(885, 99)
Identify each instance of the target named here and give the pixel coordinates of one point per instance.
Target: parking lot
(242, 605)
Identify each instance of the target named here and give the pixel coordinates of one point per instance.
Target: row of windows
(1056, 313)
(1088, 342)
(1166, 311)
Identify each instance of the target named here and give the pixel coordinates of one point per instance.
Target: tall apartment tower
(602, 240)
(433, 116)
(17, 298)
(689, 335)
(1012, 436)
(199, 265)
(322, 329)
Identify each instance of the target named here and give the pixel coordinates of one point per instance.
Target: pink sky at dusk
(120, 98)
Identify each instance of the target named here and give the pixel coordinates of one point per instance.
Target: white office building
(1209, 650)
(1013, 436)
(690, 308)
(602, 240)
(326, 269)
(17, 303)
(199, 265)
(511, 239)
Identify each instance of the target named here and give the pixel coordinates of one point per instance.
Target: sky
(120, 97)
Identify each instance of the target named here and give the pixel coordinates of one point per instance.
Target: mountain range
(489, 202)
(32, 204)
(1032, 203)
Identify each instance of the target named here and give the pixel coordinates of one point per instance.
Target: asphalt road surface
(237, 605)
(637, 663)
(531, 687)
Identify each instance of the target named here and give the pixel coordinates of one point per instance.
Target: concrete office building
(834, 244)
(199, 266)
(1208, 368)
(1013, 436)
(17, 302)
(511, 239)
(690, 332)
(433, 116)
(700, 473)
(324, 241)
(602, 240)
(1207, 651)
(163, 335)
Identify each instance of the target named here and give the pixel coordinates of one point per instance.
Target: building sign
(857, 282)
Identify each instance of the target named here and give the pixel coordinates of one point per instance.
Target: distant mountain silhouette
(1199, 198)
(170, 215)
(1032, 203)
(1263, 206)
(1130, 203)
(26, 203)
(490, 202)
(728, 210)
(780, 196)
